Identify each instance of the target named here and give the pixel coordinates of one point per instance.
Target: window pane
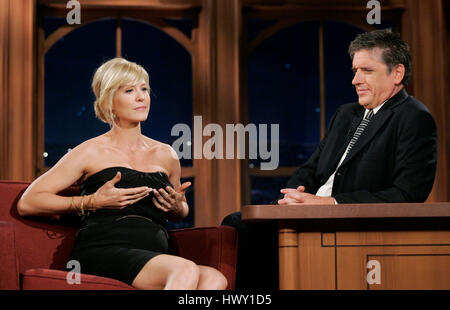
(256, 26)
(184, 25)
(69, 67)
(338, 66)
(169, 67)
(284, 89)
(52, 23)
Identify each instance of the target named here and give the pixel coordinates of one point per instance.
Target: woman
(130, 187)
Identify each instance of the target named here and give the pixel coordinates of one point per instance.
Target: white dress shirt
(326, 189)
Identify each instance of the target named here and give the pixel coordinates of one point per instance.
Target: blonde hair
(108, 78)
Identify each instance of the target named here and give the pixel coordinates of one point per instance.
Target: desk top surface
(346, 211)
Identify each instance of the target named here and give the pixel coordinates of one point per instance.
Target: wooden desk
(328, 247)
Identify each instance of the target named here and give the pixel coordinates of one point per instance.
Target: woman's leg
(168, 272)
(211, 279)
(176, 273)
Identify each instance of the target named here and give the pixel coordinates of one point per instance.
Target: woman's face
(131, 103)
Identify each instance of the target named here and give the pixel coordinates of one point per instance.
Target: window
(69, 67)
(285, 90)
(169, 67)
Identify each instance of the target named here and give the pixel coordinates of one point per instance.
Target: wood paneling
(288, 255)
(411, 264)
(317, 264)
(424, 30)
(413, 271)
(228, 35)
(282, 171)
(204, 85)
(410, 238)
(4, 54)
(447, 95)
(18, 89)
(333, 255)
(425, 259)
(347, 211)
(322, 4)
(127, 3)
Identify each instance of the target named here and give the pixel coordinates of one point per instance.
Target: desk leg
(288, 255)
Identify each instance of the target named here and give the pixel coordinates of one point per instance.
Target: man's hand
(298, 196)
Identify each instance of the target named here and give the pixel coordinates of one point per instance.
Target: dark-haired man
(390, 159)
(382, 148)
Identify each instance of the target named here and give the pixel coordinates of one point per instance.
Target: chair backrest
(41, 242)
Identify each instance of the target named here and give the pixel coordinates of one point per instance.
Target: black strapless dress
(117, 243)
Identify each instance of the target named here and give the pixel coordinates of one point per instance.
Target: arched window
(285, 91)
(69, 66)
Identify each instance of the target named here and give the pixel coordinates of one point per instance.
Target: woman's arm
(41, 197)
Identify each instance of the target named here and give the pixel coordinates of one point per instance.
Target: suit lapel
(356, 119)
(368, 134)
(375, 124)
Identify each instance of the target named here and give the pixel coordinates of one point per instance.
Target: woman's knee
(168, 272)
(184, 275)
(212, 279)
(220, 281)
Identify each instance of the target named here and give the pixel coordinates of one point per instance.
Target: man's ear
(399, 73)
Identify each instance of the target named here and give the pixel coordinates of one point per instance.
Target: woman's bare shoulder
(84, 154)
(160, 147)
(92, 145)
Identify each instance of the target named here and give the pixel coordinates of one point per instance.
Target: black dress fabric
(117, 243)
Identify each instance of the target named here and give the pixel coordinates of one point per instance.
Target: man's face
(373, 83)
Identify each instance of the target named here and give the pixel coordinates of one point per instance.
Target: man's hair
(394, 50)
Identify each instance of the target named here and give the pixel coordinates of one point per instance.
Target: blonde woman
(130, 187)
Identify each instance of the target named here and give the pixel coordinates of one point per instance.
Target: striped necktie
(359, 131)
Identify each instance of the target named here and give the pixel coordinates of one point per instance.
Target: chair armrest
(9, 265)
(210, 246)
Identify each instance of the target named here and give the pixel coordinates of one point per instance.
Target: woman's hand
(110, 197)
(172, 201)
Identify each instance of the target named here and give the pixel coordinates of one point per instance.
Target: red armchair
(34, 250)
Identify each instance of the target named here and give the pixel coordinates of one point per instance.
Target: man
(394, 157)
(381, 149)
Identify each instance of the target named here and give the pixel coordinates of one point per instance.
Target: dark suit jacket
(394, 160)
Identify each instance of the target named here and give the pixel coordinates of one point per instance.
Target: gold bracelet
(74, 206)
(92, 202)
(82, 205)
